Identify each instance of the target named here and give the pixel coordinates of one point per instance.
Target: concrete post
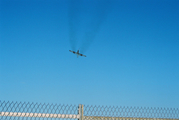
(80, 111)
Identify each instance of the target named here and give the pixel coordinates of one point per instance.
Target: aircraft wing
(77, 53)
(82, 55)
(72, 51)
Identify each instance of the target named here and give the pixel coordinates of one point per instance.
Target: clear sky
(132, 49)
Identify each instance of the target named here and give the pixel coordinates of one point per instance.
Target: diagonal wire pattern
(36, 111)
(42, 111)
(131, 112)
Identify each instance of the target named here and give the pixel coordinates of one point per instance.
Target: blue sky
(132, 49)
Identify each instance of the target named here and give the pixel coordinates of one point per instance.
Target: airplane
(77, 53)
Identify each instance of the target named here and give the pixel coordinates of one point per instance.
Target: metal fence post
(80, 111)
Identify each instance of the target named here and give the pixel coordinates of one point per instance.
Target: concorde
(77, 53)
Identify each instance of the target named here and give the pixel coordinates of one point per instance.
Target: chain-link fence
(39, 111)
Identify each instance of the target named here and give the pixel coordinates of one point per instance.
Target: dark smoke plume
(97, 13)
(73, 10)
(100, 14)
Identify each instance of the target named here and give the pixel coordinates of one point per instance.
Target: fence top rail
(42, 115)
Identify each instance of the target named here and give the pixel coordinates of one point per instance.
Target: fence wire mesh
(36, 111)
(39, 111)
(131, 112)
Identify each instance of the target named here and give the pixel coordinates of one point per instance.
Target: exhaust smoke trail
(94, 13)
(99, 15)
(73, 10)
